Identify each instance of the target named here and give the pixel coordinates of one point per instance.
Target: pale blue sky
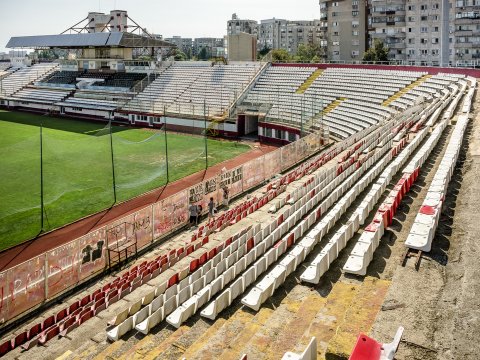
(187, 18)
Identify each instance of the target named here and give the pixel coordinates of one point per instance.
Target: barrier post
(166, 145)
(41, 179)
(113, 164)
(205, 132)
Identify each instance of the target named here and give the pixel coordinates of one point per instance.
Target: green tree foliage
(203, 54)
(280, 55)
(180, 55)
(377, 53)
(265, 50)
(308, 53)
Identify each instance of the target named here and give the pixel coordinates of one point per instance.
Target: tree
(265, 50)
(306, 53)
(377, 53)
(202, 55)
(280, 55)
(180, 55)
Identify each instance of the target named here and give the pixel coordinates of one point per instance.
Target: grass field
(77, 168)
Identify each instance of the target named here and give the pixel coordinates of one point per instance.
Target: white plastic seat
(118, 331)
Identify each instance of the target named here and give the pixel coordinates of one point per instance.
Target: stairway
(333, 105)
(406, 89)
(302, 88)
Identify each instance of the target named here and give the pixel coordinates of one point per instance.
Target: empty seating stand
(423, 229)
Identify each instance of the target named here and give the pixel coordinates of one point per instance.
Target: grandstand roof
(71, 41)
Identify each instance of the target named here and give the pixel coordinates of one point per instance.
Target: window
(424, 29)
(411, 18)
(423, 18)
(424, 52)
(435, 6)
(355, 24)
(75, 108)
(335, 4)
(411, 41)
(336, 52)
(355, 32)
(435, 52)
(410, 30)
(354, 13)
(423, 41)
(355, 42)
(268, 132)
(292, 136)
(411, 52)
(435, 29)
(355, 53)
(334, 13)
(411, 7)
(434, 17)
(336, 43)
(435, 41)
(423, 7)
(335, 23)
(335, 33)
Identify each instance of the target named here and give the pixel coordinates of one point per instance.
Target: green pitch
(77, 168)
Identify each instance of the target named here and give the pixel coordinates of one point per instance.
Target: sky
(186, 18)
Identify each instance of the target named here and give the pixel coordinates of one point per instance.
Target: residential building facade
(421, 32)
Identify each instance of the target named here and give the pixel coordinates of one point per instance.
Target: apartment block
(343, 26)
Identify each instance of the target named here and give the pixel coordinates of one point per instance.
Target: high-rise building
(206, 48)
(237, 26)
(422, 32)
(342, 30)
(184, 44)
(278, 33)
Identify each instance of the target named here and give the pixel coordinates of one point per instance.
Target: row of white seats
(265, 288)
(467, 103)
(265, 253)
(321, 263)
(18, 79)
(238, 286)
(423, 229)
(362, 254)
(163, 300)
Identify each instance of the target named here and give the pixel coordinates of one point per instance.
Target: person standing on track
(225, 196)
(211, 208)
(193, 209)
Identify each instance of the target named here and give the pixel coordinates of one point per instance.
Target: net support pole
(166, 144)
(205, 130)
(113, 163)
(42, 209)
(301, 116)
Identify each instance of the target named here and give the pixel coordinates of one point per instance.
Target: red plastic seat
(366, 348)
(193, 265)
(50, 334)
(173, 280)
(62, 314)
(48, 322)
(20, 339)
(203, 258)
(5, 347)
(86, 316)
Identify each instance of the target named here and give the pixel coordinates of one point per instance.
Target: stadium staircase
(406, 89)
(232, 111)
(315, 75)
(333, 105)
